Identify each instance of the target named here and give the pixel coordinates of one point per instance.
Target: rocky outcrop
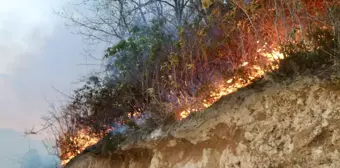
(295, 123)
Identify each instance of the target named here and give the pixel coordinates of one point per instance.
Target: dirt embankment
(295, 123)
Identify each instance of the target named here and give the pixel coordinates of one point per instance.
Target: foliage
(301, 56)
(140, 50)
(155, 70)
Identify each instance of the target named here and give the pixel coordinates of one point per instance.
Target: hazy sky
(17, 150)
(36, 53)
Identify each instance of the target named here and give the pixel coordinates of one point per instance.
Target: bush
(160, 73)
(318, 49)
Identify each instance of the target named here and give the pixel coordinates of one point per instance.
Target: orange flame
(231, 85)
(81, 140)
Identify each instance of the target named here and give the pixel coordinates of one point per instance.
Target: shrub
(159, 73)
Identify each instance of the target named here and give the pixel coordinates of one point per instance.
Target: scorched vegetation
(171, 58)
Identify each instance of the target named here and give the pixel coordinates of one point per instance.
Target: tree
(108, 21)
(167, 55)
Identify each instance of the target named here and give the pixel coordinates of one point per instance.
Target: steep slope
(294, 123)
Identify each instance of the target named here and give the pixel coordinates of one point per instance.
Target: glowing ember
(253, 68)
(81, 140)
(231, 85)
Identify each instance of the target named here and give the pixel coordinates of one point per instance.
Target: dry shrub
(185, 73)
(232, 36)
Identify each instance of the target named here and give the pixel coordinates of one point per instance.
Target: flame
(82, 139)
(231, 85)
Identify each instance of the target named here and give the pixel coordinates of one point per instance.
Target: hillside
(168, 70)
(291, 123)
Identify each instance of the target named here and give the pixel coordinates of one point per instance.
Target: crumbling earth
(291, 123)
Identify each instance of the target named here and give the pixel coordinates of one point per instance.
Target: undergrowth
(303, 57)
(156, 72)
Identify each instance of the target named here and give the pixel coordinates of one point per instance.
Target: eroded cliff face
(295, 123)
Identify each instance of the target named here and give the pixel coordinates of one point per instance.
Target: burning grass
(73, 144)
(225, 87)
(230, 52)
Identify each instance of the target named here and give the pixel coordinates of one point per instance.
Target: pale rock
(317, 152)
(172, 143)
(290, 134)
(300, 101)
(248, 136)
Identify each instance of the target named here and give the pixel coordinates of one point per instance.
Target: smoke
(118, 129)
(33, 159)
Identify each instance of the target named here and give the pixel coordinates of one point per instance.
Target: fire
(81, 140)
(264, 25)
(226, 87)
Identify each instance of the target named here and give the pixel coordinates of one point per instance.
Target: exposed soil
(294, 123)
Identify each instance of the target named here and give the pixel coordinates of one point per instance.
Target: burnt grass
(297, 62)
